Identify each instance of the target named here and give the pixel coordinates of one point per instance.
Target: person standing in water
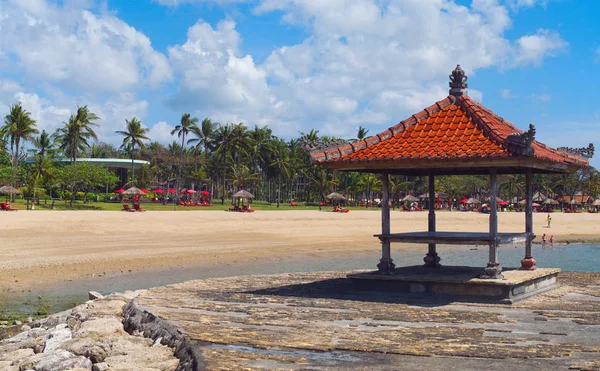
(552, 240)
(544, 240)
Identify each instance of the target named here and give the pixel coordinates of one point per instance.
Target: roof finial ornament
(458, 82)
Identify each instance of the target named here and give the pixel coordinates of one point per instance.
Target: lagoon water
(573, 257)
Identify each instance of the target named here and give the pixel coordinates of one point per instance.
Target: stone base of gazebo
(460, 283)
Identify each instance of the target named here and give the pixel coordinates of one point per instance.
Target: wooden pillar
(528, 263)
(386, 265)
(432, 260)
(493, 268)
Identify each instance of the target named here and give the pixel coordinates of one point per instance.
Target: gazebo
(454, 136)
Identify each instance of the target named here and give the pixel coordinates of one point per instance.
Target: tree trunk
(132, 173)
(279, 192)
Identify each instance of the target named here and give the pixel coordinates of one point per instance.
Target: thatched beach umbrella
(550, 201)
(335, 196)
(596, 203)
(243, 194)
(575, 202)
(9, 190)
(133, 191)
(473, 201)
(409, 198)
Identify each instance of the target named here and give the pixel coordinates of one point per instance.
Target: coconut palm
(18, 126)
(135, 134)
(187, 124)
(74, 135)
(204, 135)
(361, 135)
(44, 143)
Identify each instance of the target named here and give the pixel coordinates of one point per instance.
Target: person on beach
(544, 240)
(552, 240)
(549, 220)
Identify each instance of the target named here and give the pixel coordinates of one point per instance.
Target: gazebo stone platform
(462, 283)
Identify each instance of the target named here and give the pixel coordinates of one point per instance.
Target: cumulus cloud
(83, 50)
(161, 133)
(532, 49)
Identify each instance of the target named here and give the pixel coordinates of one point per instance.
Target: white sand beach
(42, 247)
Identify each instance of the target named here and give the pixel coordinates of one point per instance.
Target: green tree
(18, 126)
(74, 135)
(44, 144)
(133, 135)
(84, 177)
(187, 124)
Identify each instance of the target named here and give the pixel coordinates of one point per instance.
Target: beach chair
(127, 208)
(7, 207)
(137, 207)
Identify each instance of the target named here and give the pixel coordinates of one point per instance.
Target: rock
(25, 328)
(55, 338)
(3, 323)
(103, 366)
(29, 319)
(37, 345)
(17, 323)
(31, 334)
(93, 295)
(54, 319)
(100, 327)
(63, 360)
(8, 366)
(96, 349)
(16, 354)
(29, 362)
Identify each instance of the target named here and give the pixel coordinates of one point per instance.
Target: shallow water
(574, 257)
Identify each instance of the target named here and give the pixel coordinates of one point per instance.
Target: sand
(43, 247)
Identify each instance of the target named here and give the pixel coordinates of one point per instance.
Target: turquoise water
(574, 257)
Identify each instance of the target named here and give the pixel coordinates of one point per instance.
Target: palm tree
(204, 135)
(188, 124)
(283, 164)
(74, 136)
(44, 143)
(18, 125)
(134, 135)
(362, 134)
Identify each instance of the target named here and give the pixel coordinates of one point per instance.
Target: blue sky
(301, 64)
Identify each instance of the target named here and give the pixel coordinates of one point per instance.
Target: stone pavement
(314, 321)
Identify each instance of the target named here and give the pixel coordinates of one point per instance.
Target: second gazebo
(455, 136)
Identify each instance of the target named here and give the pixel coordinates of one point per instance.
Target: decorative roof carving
(312, 146)
(521, 143)
(458, 82)
(585, 152)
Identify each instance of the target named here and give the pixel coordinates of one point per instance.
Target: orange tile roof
(454, 128)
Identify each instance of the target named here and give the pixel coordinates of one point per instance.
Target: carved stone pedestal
(386, 266)
(432, 260)
(528, 264)
(492, 271)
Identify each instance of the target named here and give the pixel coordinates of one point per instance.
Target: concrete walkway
(315, 321)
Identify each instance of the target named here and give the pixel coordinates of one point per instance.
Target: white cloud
(161, 133)
(516, 4)
(544, 97)
(366, 62)
(174, 3)
(83, 50)
(532, 49)
(505, 93)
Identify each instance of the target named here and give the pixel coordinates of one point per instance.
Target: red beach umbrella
(144, 190)
(535, 204)
(171, 190)
(120, 190)
(160, 191)
(503, 203)
(183, 191)
(205, 193)
(190, 191)
(464, 200)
